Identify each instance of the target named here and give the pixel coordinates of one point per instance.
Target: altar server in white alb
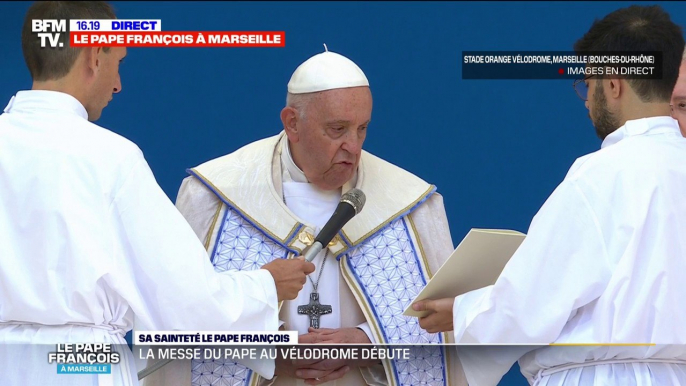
(679, 97)
(88, 239)
(269, 199)
(605, 257)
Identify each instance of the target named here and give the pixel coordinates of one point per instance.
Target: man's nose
(117, 87)
(353, 142)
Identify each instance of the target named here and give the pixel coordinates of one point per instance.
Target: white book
(476, 263)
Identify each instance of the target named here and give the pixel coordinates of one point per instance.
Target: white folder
(476, 263)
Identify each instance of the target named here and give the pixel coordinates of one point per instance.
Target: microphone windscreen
(356, 198)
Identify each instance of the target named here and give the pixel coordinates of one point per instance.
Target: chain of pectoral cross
(321, 270)
(314, 309)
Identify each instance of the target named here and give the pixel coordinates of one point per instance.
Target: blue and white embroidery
(388, 270)
(386, 266)
(240, 247)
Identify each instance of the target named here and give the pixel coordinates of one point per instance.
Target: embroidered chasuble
(255, 205)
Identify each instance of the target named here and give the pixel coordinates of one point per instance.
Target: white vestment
(604, 262)
(88, 241)
(241, 196)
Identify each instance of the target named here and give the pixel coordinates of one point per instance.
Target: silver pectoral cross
(314, 309)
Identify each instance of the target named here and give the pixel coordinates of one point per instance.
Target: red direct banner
(178, 39)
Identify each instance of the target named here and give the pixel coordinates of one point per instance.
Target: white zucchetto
(326, 71)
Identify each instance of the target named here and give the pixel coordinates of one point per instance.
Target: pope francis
(269, 199)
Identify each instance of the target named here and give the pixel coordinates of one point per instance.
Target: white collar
(46, 100)
(643, 126)
(291, 171)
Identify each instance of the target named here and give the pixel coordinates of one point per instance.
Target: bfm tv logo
(55, 27)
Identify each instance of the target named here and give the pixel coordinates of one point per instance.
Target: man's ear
(92, 58)
(615, 87)
(289, 118)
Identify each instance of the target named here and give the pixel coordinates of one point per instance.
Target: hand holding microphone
(289, 276)
(351, 204)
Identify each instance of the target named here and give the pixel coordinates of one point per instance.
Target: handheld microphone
(351, 204)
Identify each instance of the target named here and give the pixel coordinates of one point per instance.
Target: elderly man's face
(679, 99)
(330, 137)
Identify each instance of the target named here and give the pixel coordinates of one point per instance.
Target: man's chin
(336, 182)
(94, 116)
